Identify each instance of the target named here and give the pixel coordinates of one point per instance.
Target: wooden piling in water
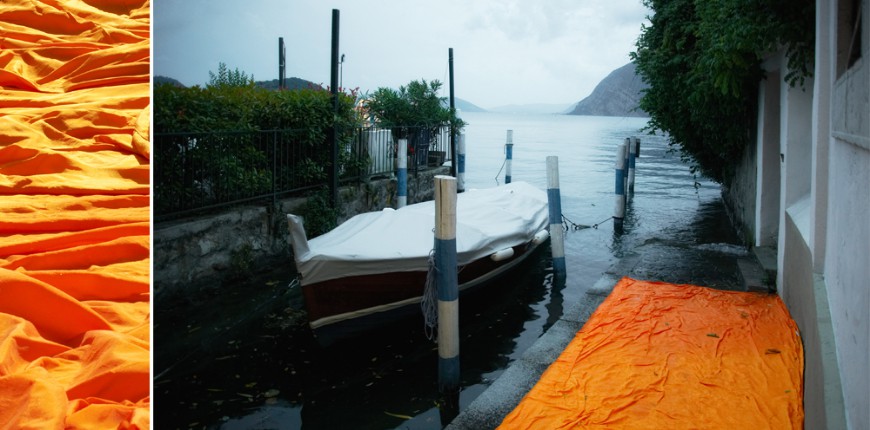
(631, 159)
(447, 284)
(554, 199)
(460, 163)
(509, 156)
(619, 209)
(402, 174)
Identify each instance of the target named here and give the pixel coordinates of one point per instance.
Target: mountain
(541, 108)
(292, 84)
(466, 106)
(616, 95)
(166, 80)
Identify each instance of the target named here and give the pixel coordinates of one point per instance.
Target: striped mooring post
(636, 141)
(554, 200)
(509, 156)
(632, 154)
(619, 210)
(460, 163)
(625, 170)
(402, 174)
(447, 284)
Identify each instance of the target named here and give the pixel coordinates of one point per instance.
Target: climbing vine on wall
(702, 61)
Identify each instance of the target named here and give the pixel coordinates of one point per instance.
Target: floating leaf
(404, 417)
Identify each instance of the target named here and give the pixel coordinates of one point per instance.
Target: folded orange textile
(664, 356)
(74, 214)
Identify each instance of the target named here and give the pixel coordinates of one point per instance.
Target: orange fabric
(664, 356)
(74, 214)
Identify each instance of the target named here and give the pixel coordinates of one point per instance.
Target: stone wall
(208, 250)
(739, 195)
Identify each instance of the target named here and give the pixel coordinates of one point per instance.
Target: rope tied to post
(429, 302)
(571, 225)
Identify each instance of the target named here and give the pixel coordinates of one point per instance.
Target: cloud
(506, 52)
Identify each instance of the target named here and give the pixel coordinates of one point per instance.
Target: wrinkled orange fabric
(664, 356)
(74, 214)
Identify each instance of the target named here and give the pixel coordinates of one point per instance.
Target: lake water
(262, 374)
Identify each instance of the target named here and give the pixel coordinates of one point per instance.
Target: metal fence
(195, 172)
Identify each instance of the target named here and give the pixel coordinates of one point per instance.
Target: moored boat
(372, 268)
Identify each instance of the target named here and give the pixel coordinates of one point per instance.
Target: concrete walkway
(676, 259)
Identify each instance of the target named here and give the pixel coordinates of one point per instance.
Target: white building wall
(813, 172)
(847, 261)
(767, 158)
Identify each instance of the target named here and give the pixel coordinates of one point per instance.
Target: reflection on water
(235, 359)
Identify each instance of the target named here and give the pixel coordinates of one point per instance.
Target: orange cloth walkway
(664, 356)
(74, 214)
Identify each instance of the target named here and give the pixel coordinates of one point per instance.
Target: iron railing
(196, 172)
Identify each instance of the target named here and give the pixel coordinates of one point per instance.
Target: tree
(215, 141)
(702, 62)
(229, 78)
(416, 105)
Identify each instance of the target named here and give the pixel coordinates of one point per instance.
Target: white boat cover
(488, 220)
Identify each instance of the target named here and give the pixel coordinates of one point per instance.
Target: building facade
(810, 201)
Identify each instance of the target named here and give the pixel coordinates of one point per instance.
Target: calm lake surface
(242, 370)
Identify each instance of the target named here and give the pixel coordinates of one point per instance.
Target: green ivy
(702, 61)
(318, 214)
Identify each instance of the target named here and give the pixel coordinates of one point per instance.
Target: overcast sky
(505, 51)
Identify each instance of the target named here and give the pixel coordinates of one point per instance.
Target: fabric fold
(74, 214)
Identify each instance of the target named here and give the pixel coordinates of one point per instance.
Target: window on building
(849, 34)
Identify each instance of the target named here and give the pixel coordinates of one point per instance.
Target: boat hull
(342, 307)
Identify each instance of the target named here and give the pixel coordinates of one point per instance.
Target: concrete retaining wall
(208, 250)
(739, 195)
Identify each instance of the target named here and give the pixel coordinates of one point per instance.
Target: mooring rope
(429, 303)
(571, 225)
(503, 163)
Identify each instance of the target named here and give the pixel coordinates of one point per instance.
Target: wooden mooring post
(554, 200)
(619, 209)
(509, 156)
(447, 284)
(402, 174)
(460, 163)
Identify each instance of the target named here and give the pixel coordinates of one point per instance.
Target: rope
(503, 163)
(429, 303)
(571, 225)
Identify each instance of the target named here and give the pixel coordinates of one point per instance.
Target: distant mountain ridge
(618, 94)
(464, 105)
(291, 83)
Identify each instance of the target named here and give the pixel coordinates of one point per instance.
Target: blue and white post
(460, 163)
(632, 153)
(509, 156)
(402, 174)
(636, 141)
(447, 284)
(557, 234)
(619, 211)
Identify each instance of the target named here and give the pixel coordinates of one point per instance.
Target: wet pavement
(704, 252)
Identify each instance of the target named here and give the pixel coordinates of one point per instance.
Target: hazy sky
(505, 51)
